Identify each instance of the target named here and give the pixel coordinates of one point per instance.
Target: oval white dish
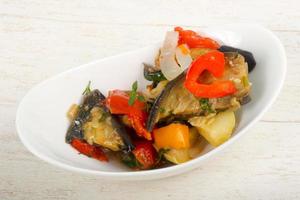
(41, 117)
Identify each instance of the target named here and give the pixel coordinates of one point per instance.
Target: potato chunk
(216, 129)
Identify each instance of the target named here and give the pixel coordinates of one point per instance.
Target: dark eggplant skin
(154, 111)
(249, 58)
(245, 100)
(90, 100)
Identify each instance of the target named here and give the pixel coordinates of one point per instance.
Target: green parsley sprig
(133, 95)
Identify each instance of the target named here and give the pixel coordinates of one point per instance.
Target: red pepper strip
(117, 102)
(213, 62)
(193, 40)
(145, 154)
(89, 150)
(138, 122)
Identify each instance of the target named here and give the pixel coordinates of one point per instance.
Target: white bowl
(41, 117)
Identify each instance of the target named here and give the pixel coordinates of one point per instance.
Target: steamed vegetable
(96, 125)
(197, 144)
(213, 62)
(99, 130)
(90, 100)
(183, 56)
(196, 52)
(118, 103)
(193, 40)
(247, 55)
(89, 150)
(145, 154)
(216, 129)
(195, 88)
(174, 136)
(175, 101)
(152, 93)
(168, 64)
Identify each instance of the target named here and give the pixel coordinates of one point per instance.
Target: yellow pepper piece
(172, 136)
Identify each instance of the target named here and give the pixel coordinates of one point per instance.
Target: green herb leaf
(134, 86)
(87, 89)
(151, 74)
(132, 98)
(205, 105)
(141, 98)
(133, 93)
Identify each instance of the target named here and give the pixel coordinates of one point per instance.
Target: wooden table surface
(39, 39)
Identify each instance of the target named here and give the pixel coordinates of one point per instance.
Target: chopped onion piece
(183, 56)
(168, 64)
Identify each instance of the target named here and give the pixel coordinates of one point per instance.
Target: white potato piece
(215, 129)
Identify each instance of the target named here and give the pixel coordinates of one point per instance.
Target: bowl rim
(153, 173)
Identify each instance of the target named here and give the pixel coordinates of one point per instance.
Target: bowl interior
(41, 118)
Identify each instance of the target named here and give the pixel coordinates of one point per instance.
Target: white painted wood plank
(278, 14)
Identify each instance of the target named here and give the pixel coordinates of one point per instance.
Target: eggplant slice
(247, 55)
(96, 125)
(175, 101)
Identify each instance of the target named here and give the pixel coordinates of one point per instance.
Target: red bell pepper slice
(138, 122)
(193, 40)
(117, 102)
(89, 150)
(145, 154)
(213, 62)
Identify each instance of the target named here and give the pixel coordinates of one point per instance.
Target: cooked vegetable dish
(195, 86)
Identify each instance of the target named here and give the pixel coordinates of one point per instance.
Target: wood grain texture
(41, 38)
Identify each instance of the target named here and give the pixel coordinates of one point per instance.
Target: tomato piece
(89, 150)
(145, 154)
(213, 62)
(193, 40)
